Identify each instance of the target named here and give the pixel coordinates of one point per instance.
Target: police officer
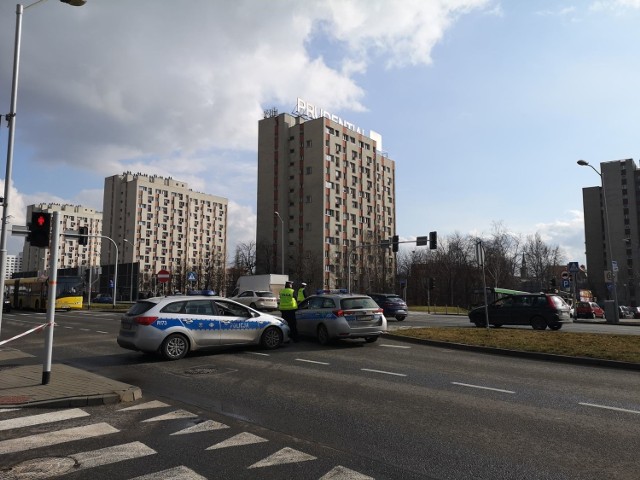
(288, 307)
(302, 292)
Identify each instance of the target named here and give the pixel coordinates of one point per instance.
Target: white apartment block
(70, 253)
(325, 192)
(14, 264)
(164, 225)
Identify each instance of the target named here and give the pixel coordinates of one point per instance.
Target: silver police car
(336, 314)
(175, 325)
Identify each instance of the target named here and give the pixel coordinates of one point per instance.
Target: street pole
(11, 118)
(52, 290)
(277, 214)
(131, 266)
(584, 163)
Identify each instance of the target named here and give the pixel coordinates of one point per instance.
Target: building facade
(612, 232)
(325, 201)
(158, 224)
(14, 264)
(70, 253)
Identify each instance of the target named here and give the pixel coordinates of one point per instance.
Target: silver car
(335, 315)
(258, 299)
(175, 325)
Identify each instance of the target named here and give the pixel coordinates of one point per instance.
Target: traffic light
(433, 240)
(83, 239)
(432, 283)
(39, 229)
(394, 243)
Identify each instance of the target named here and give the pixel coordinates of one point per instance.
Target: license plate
(364, 318)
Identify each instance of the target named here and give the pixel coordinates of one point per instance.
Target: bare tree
(541, 258)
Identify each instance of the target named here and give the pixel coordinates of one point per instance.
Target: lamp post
(133, 250)
(11, 118)
(584, 163)
(281, 242)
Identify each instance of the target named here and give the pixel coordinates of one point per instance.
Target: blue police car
(175, 325)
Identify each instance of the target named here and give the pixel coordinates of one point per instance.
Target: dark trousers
(290, 317)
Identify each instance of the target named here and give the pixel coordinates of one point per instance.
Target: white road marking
(54, 438)
(203, 427)
(145, 406)
(259, 353)
(608, 408)
(394, 346)
(311, 361)
(382, 371)
(3, 410)
(178, 414)
(106, 456)
(244, 438)
(85, 330)
(43, 418)
(100, 331)
(482, 388)
(282, 457)
(177, 473)
(343, 473)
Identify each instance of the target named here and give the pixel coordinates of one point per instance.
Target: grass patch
(440, 309)
(623, 348)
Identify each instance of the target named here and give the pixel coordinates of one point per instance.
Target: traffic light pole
(52, 290)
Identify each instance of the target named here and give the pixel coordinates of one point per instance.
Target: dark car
(392, 304)
(540, 310)
(103, 299)
(7, 306)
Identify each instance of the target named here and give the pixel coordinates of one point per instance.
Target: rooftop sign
(309, 110)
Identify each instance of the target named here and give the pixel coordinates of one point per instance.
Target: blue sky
(484, 105)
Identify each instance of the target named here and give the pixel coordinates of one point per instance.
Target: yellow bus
(31, 293)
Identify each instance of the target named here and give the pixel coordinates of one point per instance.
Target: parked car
(102, 299)
(6, 307)
(636, 312)
(174, 326)
(392, 305)
(625, 312)
(258, 299)
(336, 314)
(540, 310)
(589, 310)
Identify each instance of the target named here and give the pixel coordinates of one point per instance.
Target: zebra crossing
(37, 462)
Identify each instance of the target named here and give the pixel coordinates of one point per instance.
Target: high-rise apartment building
(614, 253)
(164, 225)
(14, 264)
(70, 253)
(326, 196)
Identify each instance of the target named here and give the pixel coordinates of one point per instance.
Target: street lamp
(133, 250)
(281, 241)
(11, 118)
(584, 163)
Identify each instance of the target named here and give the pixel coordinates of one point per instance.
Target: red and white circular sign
(163, 276)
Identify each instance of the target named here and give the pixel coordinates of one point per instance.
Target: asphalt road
(384, 410)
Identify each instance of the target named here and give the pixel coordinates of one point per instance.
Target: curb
(520, 353)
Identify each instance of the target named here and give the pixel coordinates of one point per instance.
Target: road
(385, 410)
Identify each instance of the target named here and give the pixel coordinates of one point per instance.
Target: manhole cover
(40, 468)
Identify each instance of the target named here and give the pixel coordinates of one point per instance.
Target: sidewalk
(21, 385)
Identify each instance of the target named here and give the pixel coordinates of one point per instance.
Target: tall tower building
(326, 196)
(70, 253)
(616, 203)
(162, 224)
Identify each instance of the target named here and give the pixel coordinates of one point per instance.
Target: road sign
(566, 283)
(608, 276)
(614, 265)
(191, 277)
(163, 276)
(565, 274)
(573, 267)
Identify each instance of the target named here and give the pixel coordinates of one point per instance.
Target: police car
(175, 325)
(335, 314)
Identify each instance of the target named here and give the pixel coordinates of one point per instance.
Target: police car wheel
(323, 335)
(271, 338)
(174, 347)
(371, 339)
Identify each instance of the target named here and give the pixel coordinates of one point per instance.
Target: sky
(485, 105)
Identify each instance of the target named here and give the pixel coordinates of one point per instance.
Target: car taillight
(550, 302)
(380, 310)
(145, 320)
(338, 313)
